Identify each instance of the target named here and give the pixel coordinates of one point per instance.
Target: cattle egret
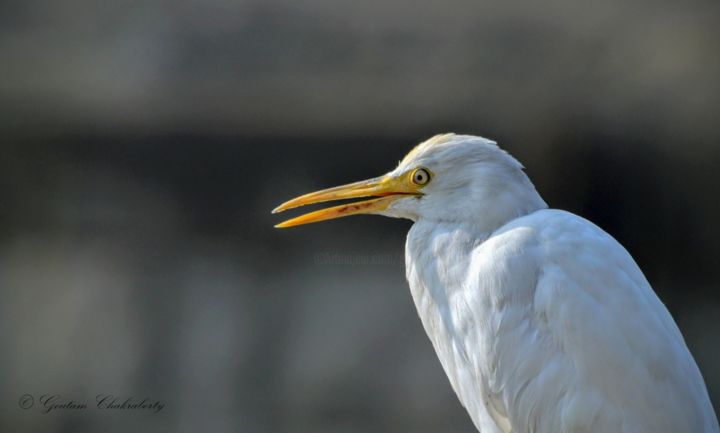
(542, 321)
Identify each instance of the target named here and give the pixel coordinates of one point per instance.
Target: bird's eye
(420, 176)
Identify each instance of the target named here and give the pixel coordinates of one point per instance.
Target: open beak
(385, 189)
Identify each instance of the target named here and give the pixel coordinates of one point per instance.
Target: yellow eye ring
(420, 176)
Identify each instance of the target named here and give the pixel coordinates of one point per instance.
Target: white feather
(542, 321)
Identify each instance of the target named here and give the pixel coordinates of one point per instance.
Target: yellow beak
(386, 190)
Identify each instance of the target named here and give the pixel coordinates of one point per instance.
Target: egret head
(453, 178)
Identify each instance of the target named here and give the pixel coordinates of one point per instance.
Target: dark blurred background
(145, 143)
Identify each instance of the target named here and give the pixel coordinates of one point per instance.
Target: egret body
(542, 322)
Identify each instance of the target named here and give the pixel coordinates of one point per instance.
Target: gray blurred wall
(144, 144)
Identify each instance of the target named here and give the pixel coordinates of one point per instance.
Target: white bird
(542, 321)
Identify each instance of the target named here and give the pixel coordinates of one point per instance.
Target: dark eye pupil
(420, 176)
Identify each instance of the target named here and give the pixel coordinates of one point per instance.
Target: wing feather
(595, 350)
(549, 326)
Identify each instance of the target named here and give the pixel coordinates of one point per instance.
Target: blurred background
(143, 145)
